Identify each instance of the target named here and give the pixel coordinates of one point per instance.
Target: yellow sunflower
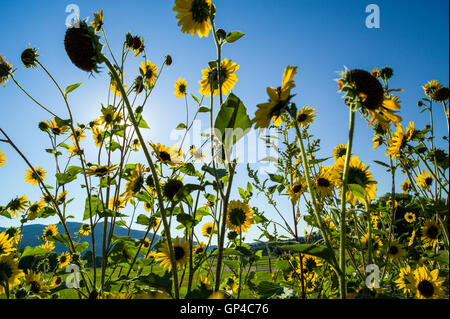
(6, 244)
(98, 136)
(399, 139)
(2, 158)
(209, 229)
(55, 128)
(405, 281)
(358, 174)
(411, 239)
(149, 71)
(170, 156)
(427, 284)
(227, 78)
(232, 284)
(74, 150)
(181, 251)
(56, 281)
(295, 190)
(424, 180)
(108, 118)
(38, 286)
(49, 231)
(79, 134)
(10, 272)
(339, 151)
(5, 68)
(180, 88)
(395, 251)
(310, 263)
(194, 16)
(100, 170)
(17, 205)
(410, 217)
(98, 20)
(135, 183)
(34, 209)
(197, 153)
(376, 243)
(85, 230)
(48, 245)
(62, 197)
(430, 233)
(431, 87)
(406, 186)
(34, 176)
(135, 144)
(114, 86)
(278, 101)
(377, 140)
(239, 216)
(64, 259)
(199, 249)
(305, 116)
(323, 182)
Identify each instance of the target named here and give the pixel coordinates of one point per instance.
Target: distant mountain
(31, 234)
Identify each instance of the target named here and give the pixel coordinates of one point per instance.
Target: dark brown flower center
(302, 117)
(323, 182)
(297, 188)
(164, 156)
(428, 181)
(237, 217)
(393, 250)
(426, 288)
(432, 232)
(200, 11)
(35, 287)
(179, 252)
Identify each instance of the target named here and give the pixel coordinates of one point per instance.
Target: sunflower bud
(168, 60)
(139, 84)
(29, 57)
(232, 235)
(5, 68)
(83, 47)
(171, 188)
(149, 181)
(139, 109)
(221, 35)
(43, 126)
(420, 104)
(386, 73)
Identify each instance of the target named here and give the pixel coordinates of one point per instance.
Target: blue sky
(320, 37)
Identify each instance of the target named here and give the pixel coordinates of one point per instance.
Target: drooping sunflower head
(441, 94)
(149, 72)
(29, 57)
(181, 254)
(56, 128)
(239, 216)
(17, 205)
(10, 271)
(62, 197)
(425, 180)
(100, 170)
(6, 243)
(209, 229)
(368, 87)
(430, 233)
(34, 176)
(210, 76)
(5, 69)
(358, 174)
(135, 43)
(170, 156)
(428, 284)
(83, 47)
(194, 16)
(34, 209)
(180, 88)
(431, 87)
(171, 188)
(339, 151)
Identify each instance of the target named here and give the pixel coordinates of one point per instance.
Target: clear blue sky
(320, 37)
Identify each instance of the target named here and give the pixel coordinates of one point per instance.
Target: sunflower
(135, 183)
(170, 156)
(98, 20)
(389, 203)
(17, 205)
(425, 179)
(209, 229)
(181, 252)
(406, 186)
(135, 144)
(296, 189)
(441, 95)
(9, 271)
(405, 281)
(358, 174)
(5, 68)
(171, 188)
(395, 251)
(377, 141)
(62, 197)
(431, 87)
(339, 151)
(98, 136)
(199, 249)
(6, 244)
(148, 206)
(114, 86)
(194, 16)
(310, 263)
(227, 78)
(39, 287)
(33, 177)
(430, 233)
(2, 158)
(85, 230)
(180, 88)
(399, 139)
(277, 104)
(50, 231)
(323, 182)
(203, 280)
(109, 117)
(232, 284)
(410, 217)
(239, 216)
(34, 209)
(154, 222)
(64, 259)
(149, 71)
(79, 134)
(376, 243)
(427, 284)
(55, 128)
(100, 170)
(48, 245)
(305, 116)
(74, 150)
(56, 281)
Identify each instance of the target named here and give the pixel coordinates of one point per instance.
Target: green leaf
(143, 220)
(96, 206)
(196, 99)
(155, 281)
(203, 109)
(69, 175)
(186, 190)
(382, 164)
(189, 169)
(81, 247)
(34, 251)
(276, 178)
(181, 126)
(232, 121)
(71, 88)
(221, 172)
(186, 220)
(267, 289)
(357, 190)
(233, 36)
(141, 122)
(309, 249)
